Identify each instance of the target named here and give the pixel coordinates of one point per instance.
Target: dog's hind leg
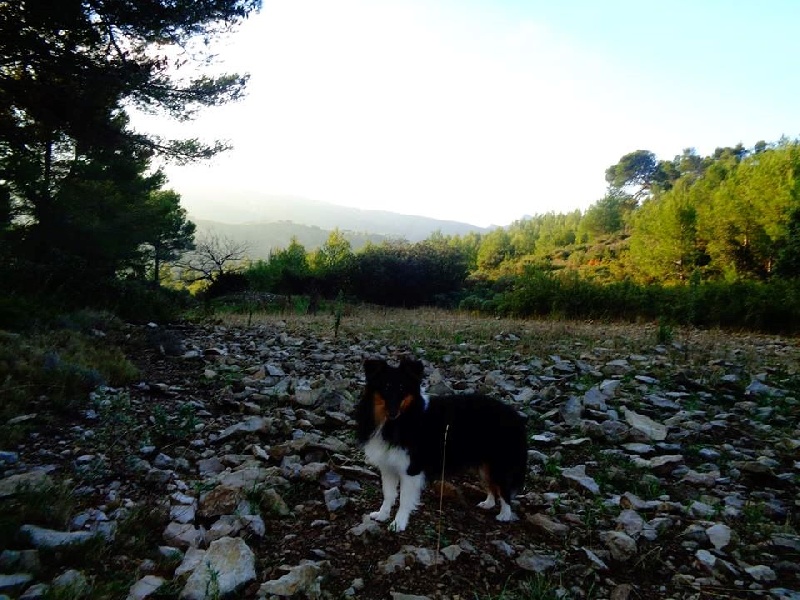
(410, 492)
(504, 492)
(496, 490)
(506, 514)
(491, 489)
(389, 482)
(488, 503)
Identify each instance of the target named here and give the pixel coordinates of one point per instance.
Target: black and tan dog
(404, 435)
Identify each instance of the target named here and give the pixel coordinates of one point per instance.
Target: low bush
(772, 306)
(56, 369)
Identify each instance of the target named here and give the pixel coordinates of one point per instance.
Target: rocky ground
(663, 464)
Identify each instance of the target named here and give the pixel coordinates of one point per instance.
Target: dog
(412, 438)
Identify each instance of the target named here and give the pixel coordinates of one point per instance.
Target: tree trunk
(156, 266)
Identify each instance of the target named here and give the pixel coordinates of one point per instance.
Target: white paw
(398, 525)
(506, 516)
(487, 504)
(379, 515)
(506, 513)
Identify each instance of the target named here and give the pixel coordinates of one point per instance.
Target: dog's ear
(372, 367)
(414, 368)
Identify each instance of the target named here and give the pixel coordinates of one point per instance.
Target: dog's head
(392, 390)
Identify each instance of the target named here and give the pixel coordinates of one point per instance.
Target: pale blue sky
(485, 111)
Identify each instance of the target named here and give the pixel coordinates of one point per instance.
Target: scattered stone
(210, 466)
(595, 399)
(548, 526)
(701, 479)
(245, 478)
(621, 545)
(14, 584)
(630, 522)
(595, 560)
(544, 438)
(665, 463)
(50, 539)
(701, 510)
(145, 587)
(784, 594)
(21, 481)
(719, 535)
(614, 431)
(452, 552)
(334, 499)
(222, 500)
(8, 458)
(579, 476)
(38, 591)
(302, 579)
(249, 425)
(183, 535)
(706, 559)
(180, 513)
(228, 565)
(423, 556)
(639, 448)
(571, 411)
(761, 573)
(72, 584)
(367, 527)
(622, 591)
(396, 562)
(758, 388)
(274, 503)
(191, 560)
(538, 563)
(617, 367)
(645, 425)
(504, 547)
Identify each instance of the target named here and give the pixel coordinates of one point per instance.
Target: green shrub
(137, 301)
(763, 306)
(59, 366)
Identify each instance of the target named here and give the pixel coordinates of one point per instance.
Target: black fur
(480, 431)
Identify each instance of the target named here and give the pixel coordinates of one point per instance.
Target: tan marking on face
(379, 408)
(407, 401)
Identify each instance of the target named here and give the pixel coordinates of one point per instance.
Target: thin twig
(441, 496)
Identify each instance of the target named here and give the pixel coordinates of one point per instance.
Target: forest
(86, 218)
(707, 241)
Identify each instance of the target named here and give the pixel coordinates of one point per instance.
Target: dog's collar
(426, 400)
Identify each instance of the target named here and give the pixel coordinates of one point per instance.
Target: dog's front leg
(410, 492)
(389, 482)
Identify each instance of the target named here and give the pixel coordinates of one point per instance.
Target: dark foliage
(225, 283)
(772, 306)
(390, 274)
(80, 206)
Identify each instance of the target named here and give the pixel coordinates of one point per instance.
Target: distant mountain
(259, 209)
(261, 238)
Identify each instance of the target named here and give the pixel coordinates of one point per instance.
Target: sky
(485, 111)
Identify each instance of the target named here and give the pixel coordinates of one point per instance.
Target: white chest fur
(393, 463)
(386, 457)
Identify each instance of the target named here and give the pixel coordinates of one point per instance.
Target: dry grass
(428, 328)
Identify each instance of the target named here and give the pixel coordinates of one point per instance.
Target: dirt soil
(723, 427)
